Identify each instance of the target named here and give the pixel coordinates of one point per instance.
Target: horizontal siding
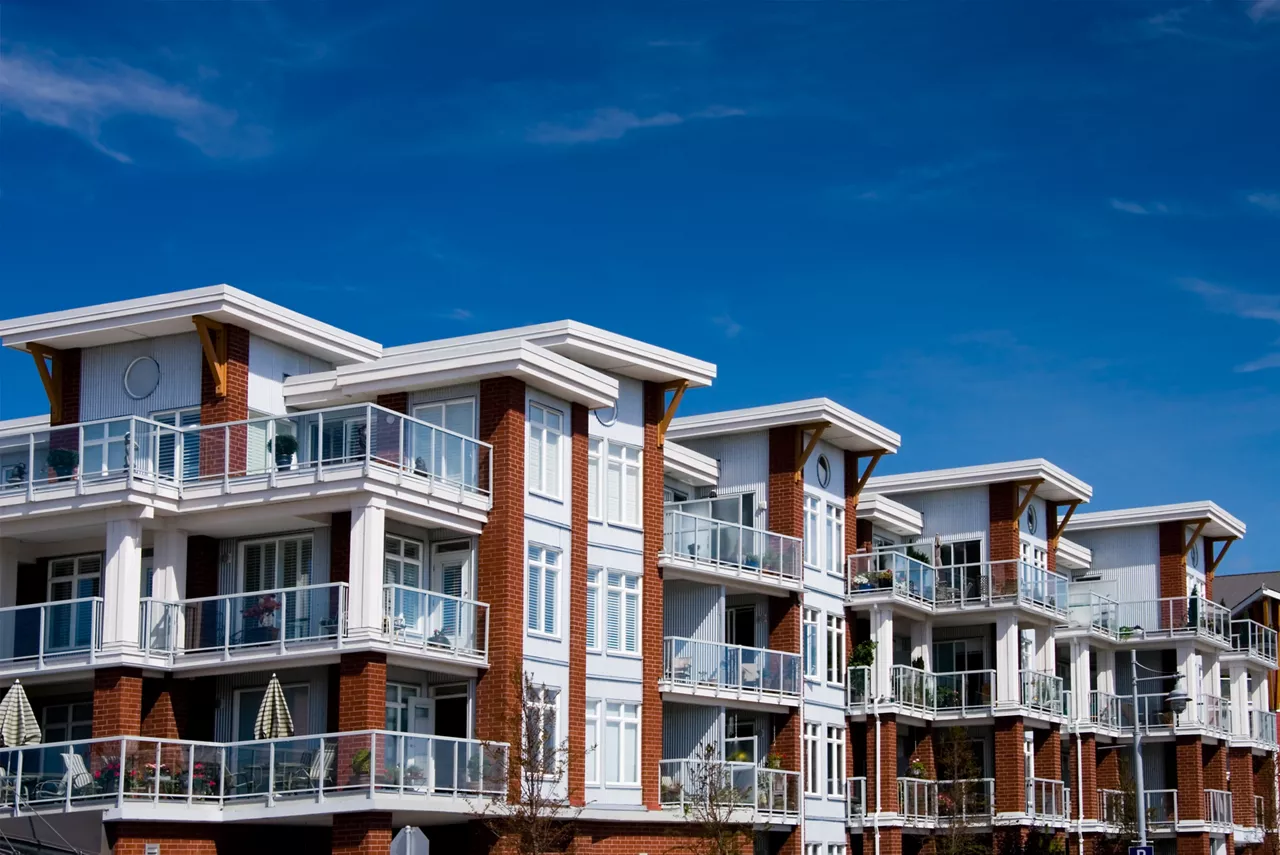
(269, 364)
(102, 394)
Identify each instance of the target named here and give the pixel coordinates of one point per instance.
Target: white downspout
(875, 819)
(1075, 728)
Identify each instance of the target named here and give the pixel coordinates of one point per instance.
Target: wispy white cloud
(1140, 208)
(1241, 304)
(1266, 201)
(455, 315)
(1261, 10)
(727, 325)
(81, 95)
(1271, 360)
(612, 123)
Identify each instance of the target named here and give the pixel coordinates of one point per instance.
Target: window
(591, 759)
(76, 578)
(813, 849)
(546, 427)
(402, 562)
(813, 759)
(622, 612)
(812, 618)
(622, 480)
(543, 589)
(62, 723)
(175, 447)
(812, 546)
(593, 479)
(248, 701)
(148, 569)
(836, 849)
(445, 455)
(593, 608)
(399, 701)
(621, 743)
(835, 649)
(277, 563)
(834, 557)
(541, 729)
(835, 761)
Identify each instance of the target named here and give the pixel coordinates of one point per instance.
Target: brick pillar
(362, 705)
(923, 750)
(1048, 748)
(578, 604)
(367, 833)
(1191, 778)
(1011, 771)
(1005, 539)
(500, 555)
(888, 764)
(1109, 767)
(339, 555)
(890, 838)
(1191, 844)
(174, 838)
(215, 455)
(1241, 760)
(1089, 779)
(1215, 765)
(1173, 576)
(398, 401)
(786, 516)
(117, 702)
(651, 596)
(164, 708)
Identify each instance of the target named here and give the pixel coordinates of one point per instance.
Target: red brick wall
(578, 604)
(1048, 748)
(500, 556)
(1191, 844)
(366, 833)
(1191, 777)
(786, 494)
(70, 367)
(888, 764)
(1242, 786)
(1004, 538)
(922, 750)
(387, 437)
(231, 407)
(1109, 768)
(175, 838)
(1173, 566)
(1087, 758)
(398, 401)
(890, 838)
(624, 838)
(117, 702)
(1011, 780)
(652, 596)
(1215, 766)
(164, 708)
(362, 700)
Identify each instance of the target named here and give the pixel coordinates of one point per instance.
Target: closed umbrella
(273, 721)
(18, 725)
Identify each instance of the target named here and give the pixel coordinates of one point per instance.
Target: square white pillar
(1106, 669)
(364, 606)
(169, 566)
(121, 583)
(922, 642)
(1238, 701)
(882, 635)
(1008, 660)
(1081, 692)
(1192, 681)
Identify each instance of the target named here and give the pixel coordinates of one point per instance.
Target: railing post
(156, 775)
(121, 776)
(226, 628)
(191, 772)
(31, 467)
(271, 773)
(222, 774)
(226, 458)
(400, 761)
(79, 470)
(130, 462)
(93, 630)
(17, 788)
(341, 618)
(284, 620)
(324, 771)
(401, 468)
(373, 763)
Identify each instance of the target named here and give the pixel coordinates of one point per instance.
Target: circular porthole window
(607, 416)
(141, 377)
(824, 470)
(1031, 519)
(1193, 556)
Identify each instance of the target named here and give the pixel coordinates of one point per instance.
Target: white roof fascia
(1057, 484)
(1262, 592)
(845, 428)
(1073, 556)
(600, 349)
(690, 467)
(893, 516)
(1221, 523)
(464, 364)
(24, 425)
(168, 314)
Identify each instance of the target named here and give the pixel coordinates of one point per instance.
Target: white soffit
(884, 513)
(466, 363)
(844, 428)
(1220, 523)
(1073, 556)
(170, 314)
(1057, 485)
(592, 346)
(690, 467)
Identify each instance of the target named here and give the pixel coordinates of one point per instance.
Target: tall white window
(277, 563)
(73, 578)
(543, 590)
(622, 478)
(835, 649)
(835, 761)
(402, 566)
(594, 462)
(621, 743)
(836, 849)
(813, 849)
(812, 542)
(543, 452)
(812, 628)
(591, 759)
(542, 731)
(593, 608)
(813, 759)
(834, 557)
(622, 612)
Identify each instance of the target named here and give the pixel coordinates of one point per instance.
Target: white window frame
(591, 751)
(595, 478)
(552, 451)
(277, 572)
(536, 606)
(418, 410)
(406, 693)
(837, 849)
(813, 849)
(630, 507)
(626, 724)
(595, 589)
(77, 575)
(835, 761)
(834, 661)
(811, 642)
(813, 758)
(538, 704)
(833, 532)
(624, 595)
(812, 537)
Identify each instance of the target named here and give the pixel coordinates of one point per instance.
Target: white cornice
(1220, 523)
(892, 516)
(689, 466)
(170, 314)
(1057, 484)
(1073, 556)
(844, 428)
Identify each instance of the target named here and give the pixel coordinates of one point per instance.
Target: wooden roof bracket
(866, 473)
(215, 350)
(1191, 541)
(50, 377)
(678, 388)
(1056, 526)
(804, 450)
(1031, 487)
(1211, 561)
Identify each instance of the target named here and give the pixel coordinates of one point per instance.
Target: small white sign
(152, 849)
(408, 841)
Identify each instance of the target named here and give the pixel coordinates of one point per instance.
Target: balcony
(47, 636)
(729, 552)
(1106, 710)
(435, 625)
(855, 800)
(1048, 799)
(1153, 713)
(730, 672)
(1093, 612)
(1215, 714)
(1262, 726)
(1217, 809)
(1255, 640)
(195, 463)
(899, 572)
(858, 689)
(966, 802)
(1162, 809)
(981, 585)
(259, 778)
(958, 693)
(917, 800)
(1042, 692)
(765, 794)
(1174, 617)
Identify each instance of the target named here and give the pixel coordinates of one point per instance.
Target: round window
(606, 415)
(824, 470)
(1193, 556)
(1031, 519)
(141, 377)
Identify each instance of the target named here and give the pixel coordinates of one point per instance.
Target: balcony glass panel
(745, 671)
(735, 547)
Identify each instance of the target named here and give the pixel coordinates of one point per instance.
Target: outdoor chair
(75, 780)
(321, 767)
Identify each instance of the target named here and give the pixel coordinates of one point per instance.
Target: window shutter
(613, 489)
(633, 494)
(553, 463)
(549, 601)
(292, 562)
(534, 596)
(534, 458)
(613, 616)
(253, 567)
(632, 623)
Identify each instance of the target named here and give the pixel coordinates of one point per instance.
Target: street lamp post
(1177, 700)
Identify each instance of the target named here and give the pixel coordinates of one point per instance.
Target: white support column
(1081, 692)
(1045, 657)
(121, 584)
(1189, 668)
(1239, 699)
(1008, 660)
(8, 595)
(368, 528)
(169, 572)
(1106, 669)
(882, 635)
(922, 642)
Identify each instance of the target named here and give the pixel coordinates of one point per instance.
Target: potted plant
(864, 654)
(17, 473)
(63, 462)
(752, 560)
(360, 767)
(915, 769)
(285, 446)
(917, 555)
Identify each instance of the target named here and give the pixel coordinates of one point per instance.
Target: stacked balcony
(1255, 641)
(60, 635)
(730, 672)
(756, 793)
(698, 547)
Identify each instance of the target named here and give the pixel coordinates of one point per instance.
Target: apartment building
(225, 490)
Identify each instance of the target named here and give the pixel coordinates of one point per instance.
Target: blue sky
(1004, 230)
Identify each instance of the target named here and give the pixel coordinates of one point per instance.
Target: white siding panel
(317, 698)
(685, 727)
(269, 364)
(954, 514)
(691, 610)
(1127, 560)
(744, 464)
(102, 394)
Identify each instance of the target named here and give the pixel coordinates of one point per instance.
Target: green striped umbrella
(273, 721)
(18, 725)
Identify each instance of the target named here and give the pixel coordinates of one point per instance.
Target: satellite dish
(410, 841)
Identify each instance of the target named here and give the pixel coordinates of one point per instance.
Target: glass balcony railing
(855, 798)
(904, 570)
(86, 458)
(858, 689)
(1093, 611)
(747, 672)
(982, 584)
(767, 793)
(963, 801)
(435, 623)
(1048, 799)
(44, 634)
(1262, 726)
(917, 798)
(929, 693)
(1215, 713)
(1217, 808)
(1153, 712)
(1042, 691)
(729, 547)
(1162, 810)
(1174, 616)
(1106, 709)
(1255, 639)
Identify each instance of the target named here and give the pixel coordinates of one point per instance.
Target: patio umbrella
(273, 721)
(18, 725)
(937, 550)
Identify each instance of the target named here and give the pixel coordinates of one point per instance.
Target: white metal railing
(1215, 713)
(1162, 809)
(1047, 798)
(917, 798)
(855, 798)
(1255, 639)
(1042, 691)
(1106, 709)
(984, 583)
(858, 688)
(1262, 726)
(119, 770)
(131, 450)
(40, 634)
(769, 793)
(434, 622)
(1259, 812)
(970, 800)
(912, 688)
(281, 618)
(1217, 807)
(1111, 806)
(1092, 610)
(904, 570)
(743, 671)
(1153, 711)
(741, 550)
(1173, 616)
(965, 692)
